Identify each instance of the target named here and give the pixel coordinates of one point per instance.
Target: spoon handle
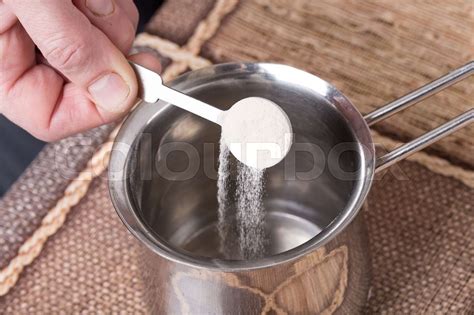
(152, 89)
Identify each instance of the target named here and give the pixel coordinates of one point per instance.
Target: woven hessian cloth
(421, 231)
(420, 223)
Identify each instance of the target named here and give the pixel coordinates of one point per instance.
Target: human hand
(80, 78)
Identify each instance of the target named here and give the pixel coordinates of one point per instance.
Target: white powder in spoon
(257, 131)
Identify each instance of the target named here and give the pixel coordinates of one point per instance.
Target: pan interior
(173, 169)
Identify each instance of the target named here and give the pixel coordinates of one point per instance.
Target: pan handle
(413, 98)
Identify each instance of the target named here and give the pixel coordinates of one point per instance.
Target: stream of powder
(250, 212)
(240, 216)
(225, 216)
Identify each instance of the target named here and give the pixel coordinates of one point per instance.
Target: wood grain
(373, 51)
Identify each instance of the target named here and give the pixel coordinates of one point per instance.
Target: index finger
(81, 52)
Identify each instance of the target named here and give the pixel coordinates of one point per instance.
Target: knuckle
(7, 20)
(66, 54)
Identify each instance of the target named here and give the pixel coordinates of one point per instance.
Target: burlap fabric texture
(421, 227)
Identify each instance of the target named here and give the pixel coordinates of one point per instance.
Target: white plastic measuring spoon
(257, 131)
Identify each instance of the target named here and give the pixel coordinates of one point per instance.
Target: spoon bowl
(257, 131)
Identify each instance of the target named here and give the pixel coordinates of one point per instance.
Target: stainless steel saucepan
(163, 185)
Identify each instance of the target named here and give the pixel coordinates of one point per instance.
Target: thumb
(81, 52)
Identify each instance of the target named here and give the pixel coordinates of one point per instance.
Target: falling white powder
(240, 209)
(225, 216)
(259, 134)
(250, 212)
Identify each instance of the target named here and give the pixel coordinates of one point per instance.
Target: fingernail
(110, 92)
(100, 7)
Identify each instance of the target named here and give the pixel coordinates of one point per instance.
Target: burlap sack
(64, 250)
